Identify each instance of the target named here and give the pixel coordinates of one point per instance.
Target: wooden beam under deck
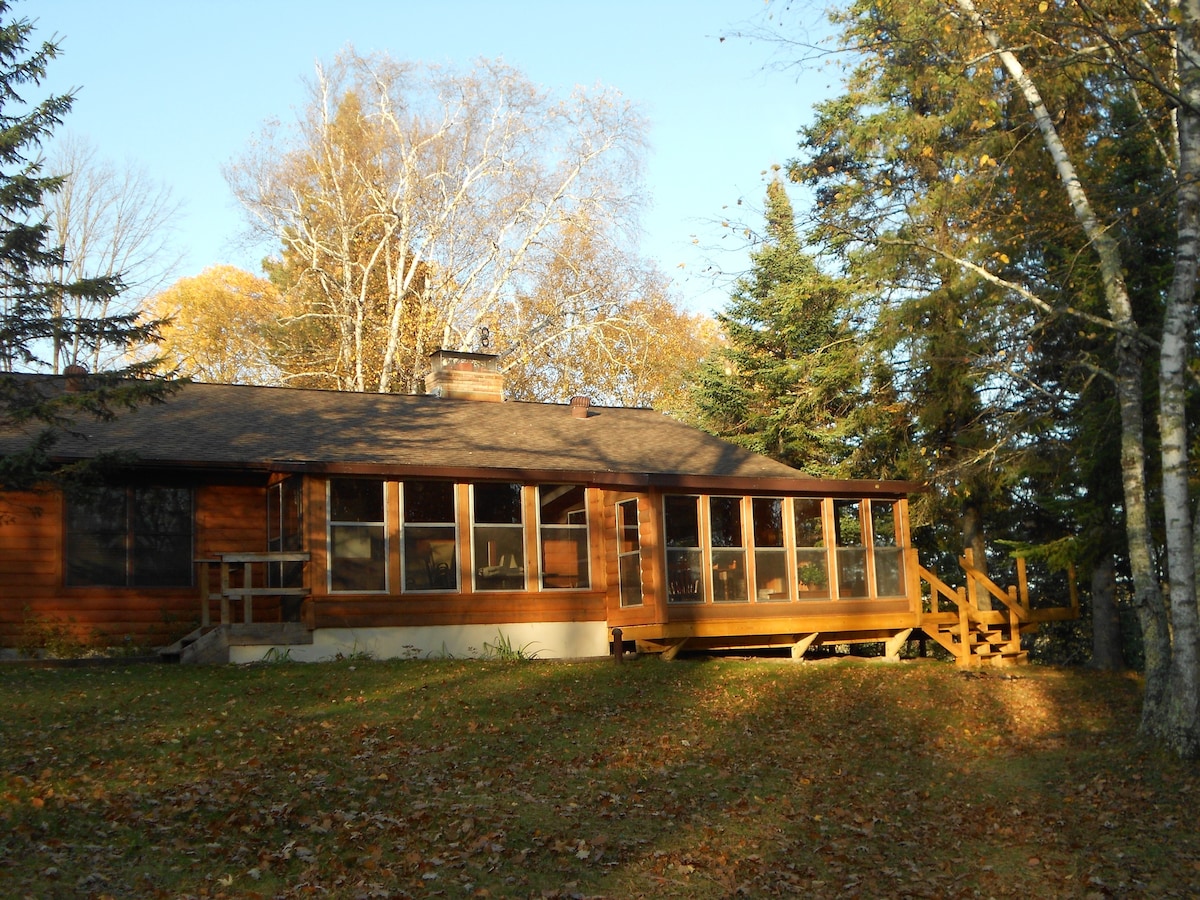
(779, 630)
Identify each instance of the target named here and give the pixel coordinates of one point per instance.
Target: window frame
(519, 569)
(686, 583)
(838, 550)
(454, 568)
(624, 555)
(759, 552)
(575, 527)
(129, 537)
(283, 494)
(725, 560)
(381, 525)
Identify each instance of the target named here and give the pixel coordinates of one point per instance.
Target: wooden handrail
(1008, 598)
(246, 592)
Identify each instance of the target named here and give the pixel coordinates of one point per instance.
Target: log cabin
(251, 522)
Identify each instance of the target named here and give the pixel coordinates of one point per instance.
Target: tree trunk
(1106, 622)
(1180, 727)
(973, 540)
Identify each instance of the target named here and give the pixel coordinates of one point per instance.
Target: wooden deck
(956, 618)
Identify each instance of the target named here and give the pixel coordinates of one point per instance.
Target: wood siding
(232, 518)
(36, 606)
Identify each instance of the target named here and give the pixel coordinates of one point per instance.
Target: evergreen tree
(789, 381)
(30, 305)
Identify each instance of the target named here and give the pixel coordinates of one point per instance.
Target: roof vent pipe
(580, 407)
(75, 375)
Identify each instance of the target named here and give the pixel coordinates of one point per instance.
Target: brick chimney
(464, 376)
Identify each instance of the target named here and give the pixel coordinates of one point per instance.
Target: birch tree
(415, 205)
(110, 221)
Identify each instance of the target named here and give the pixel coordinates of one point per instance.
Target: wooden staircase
(209, 645)
(981, 623)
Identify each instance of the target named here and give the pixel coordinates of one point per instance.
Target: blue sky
(181, 86)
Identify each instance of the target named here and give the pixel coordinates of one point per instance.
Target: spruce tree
(34, 410)
(789, 380)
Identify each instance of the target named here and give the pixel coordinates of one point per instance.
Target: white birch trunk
(1180, 727)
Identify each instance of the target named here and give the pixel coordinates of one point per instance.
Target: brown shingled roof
(267, 428)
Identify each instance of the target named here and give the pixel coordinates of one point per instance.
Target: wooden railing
(237, 581)
(972, 631)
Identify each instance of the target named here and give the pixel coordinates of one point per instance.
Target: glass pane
(810, 530)
(565, 557)
(631, 579)
(499, 558)
(162, 537)
(285, 531)
(102, 511)
(291, 574)
(629, 557)
(683, 576)
(430, 558)
(357, 559)
(96, 559)
(812, 574)
(848, 523)
(889, 572)
(767, 513)
(292, 504)
(429, 501)
(725, 518)
(274, 517)
(627, 527)
(729, 576)
(96, 538)
(355, 500)
(852, 571)
(883, 523)
(770, 575)
(562, 504)
(682, 520)
(162, 511)
(498, 504)
(162, 560)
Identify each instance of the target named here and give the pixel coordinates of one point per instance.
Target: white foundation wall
(545, 640)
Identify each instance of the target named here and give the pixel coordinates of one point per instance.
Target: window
(770, 556)
(357, 535)
(430, 542)
(728, 549)
(498, 537)
(685, 558)
(137, 536)
(562, 518)
(812, 561)
(285, 531)
(889, 561)
(851, 551)
(629, 553)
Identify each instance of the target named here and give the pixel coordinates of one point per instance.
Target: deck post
(801, 646)
(893, 645)
(248, 596)
(205, 614)
(618, 646)
(964, 627)
(225, 593)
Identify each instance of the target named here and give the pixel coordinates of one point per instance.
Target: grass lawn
(712, 778)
